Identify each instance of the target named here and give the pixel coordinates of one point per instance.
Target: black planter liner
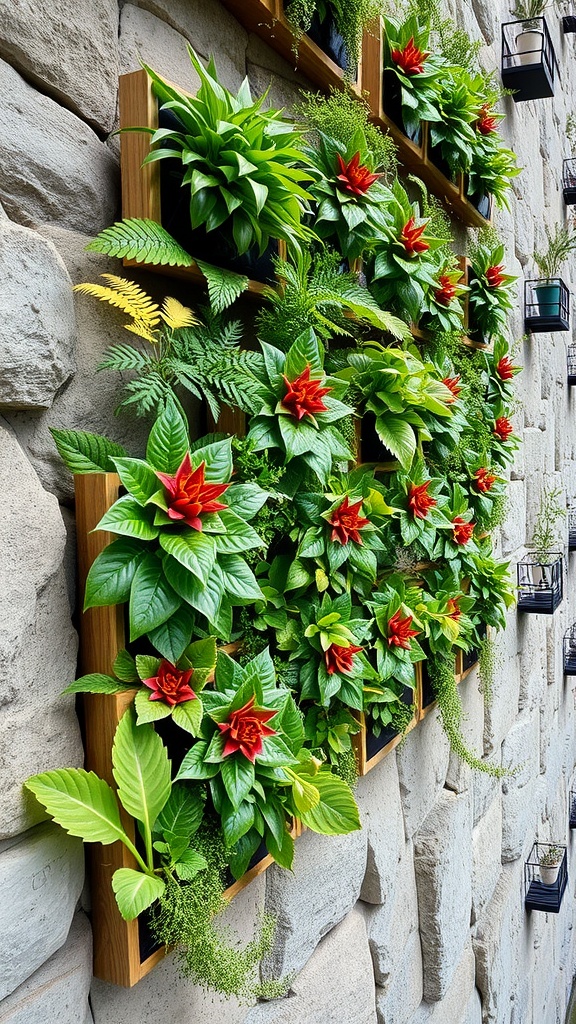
(540, 584)
(327, 37)
(435, 157)
(572, 818)
(374, 744)
(534, 80)
(213, 247)
(569, 181)
(537, 896)
(427, 693)
(482, 202)
(371, 447)
(571, 364)
(541, 315)
(569, 23)
(392, 104)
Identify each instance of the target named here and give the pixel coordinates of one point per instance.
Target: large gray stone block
(443, 862)
(57, 991)
(396, 1003)
(378, 795)
(37, 325)
(335, 987)
(54, 168)
(38, 727)
(325, 884)
(144, 37)
(164, 995)
(461, 1004)
(520, 750)
(422, 766)
(41, 877)
(391, 925)
(78, 66)
(502, 948)
(487, 857)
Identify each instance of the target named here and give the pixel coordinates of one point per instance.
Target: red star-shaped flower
(447, 290)
(346, 522)
(503, 428)
(484, 479)
(452, 384)
(419, 501)
(505, 369)
(399, 632)
(486, 123)
(170, 684)
(245, 730)
(462, 530)
(411, 238)
(452, 609)
(354, 176)
(304, 396)
(340, 659)
(495, 277)
(411, 60)
(189, 496)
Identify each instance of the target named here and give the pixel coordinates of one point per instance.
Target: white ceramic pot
(529, 47)
(548, 875)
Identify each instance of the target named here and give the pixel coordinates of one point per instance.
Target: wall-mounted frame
(142, 186)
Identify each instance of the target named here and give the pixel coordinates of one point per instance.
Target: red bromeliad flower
(339, 659)
(504, 368)
(171, 684)
(452, 384)
(355, 177)
(188, 496)
(399, 631)
(462, 530)
(245, 730)
(484, 479)
(503, 428)
(304, 396)
(347, 522)
(411, 238)
(495, 277)
(452, 609)
(486, 123)
(447, 290)
(419, 501)
(410, 59)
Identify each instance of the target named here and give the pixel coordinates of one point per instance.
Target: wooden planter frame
(141, 184)
(116, 941)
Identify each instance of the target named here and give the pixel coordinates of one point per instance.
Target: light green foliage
(561, 244)
(340, 116)
(83, 452)
(143, 240)
(351, 17)
(488, 661)
(551, 513)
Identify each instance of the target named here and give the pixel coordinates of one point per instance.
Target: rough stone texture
(325, 884)
(41, 877)
(501, 948)
(38, 727)
(82, 75)
(460, 1005)
(379, 789)
(519, 809)
(57, 991)
(423, 756)
(391, 925)
(443, 861)
(37, 327)
(54, 168)
(163, 995)
(144, 37)
(324, 993)
(486, 857)
(403, 994)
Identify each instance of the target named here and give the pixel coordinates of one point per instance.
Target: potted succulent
(549, 863)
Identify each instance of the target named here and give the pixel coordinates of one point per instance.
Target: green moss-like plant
(340, 116)
(487, 661)
(350, 16)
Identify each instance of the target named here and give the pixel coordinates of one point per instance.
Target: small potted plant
(549, 863)
(530, 38)
(540, 573)
(547, 300)
(569, 164)
(528, 58)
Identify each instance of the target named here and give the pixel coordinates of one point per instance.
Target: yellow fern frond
(176, 315)
(125, 295)
(141, 329)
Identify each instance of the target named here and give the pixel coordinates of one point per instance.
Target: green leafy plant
(397, 650)
(524, 10)
(491, 295)
(550, 513)
(351, 18)
(561, 244)
(84, 452)
(421, 503)
(454, 133)
(179, 549)
(407, 54)
(341, 116)
(299, 415)
(492, 169)
(241, 164)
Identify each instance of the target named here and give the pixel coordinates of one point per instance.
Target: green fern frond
(124, 295)
(123, 358)
(141, 240)
(148, 394)
(224, 286)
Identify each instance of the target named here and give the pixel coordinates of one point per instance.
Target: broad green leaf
(168, 441)
(304, 794)
(189, 864)
(238, 778)
(172, 637)
(224, 286)
(182, 814)
(399, 437)
(125, 667)
(336, 812)
(149, 710)
(80, 803)
(112, 572)
(239, 536)
(245, 499)
(152, 599)
(304, 352)
(96, 682)
(147, 666)
(217, 459)
(204, 598)
(194, 550)
(128, 518)
(138, 478)
(194, 764)
(188, 715)
(239, 580)
(83, 452)
(283, 852)
(236, 822)
(135, 891)
(141, 769)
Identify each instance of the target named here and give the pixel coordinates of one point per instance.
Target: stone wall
(419, 918)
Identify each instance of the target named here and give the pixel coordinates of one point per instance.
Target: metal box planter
(528, 59)
(571, 367)
(572, 814)
(546, 305)
(569, 20)
(539, 894)
(569, 181)
(572, 529)
(540, 582)
(569, 651)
